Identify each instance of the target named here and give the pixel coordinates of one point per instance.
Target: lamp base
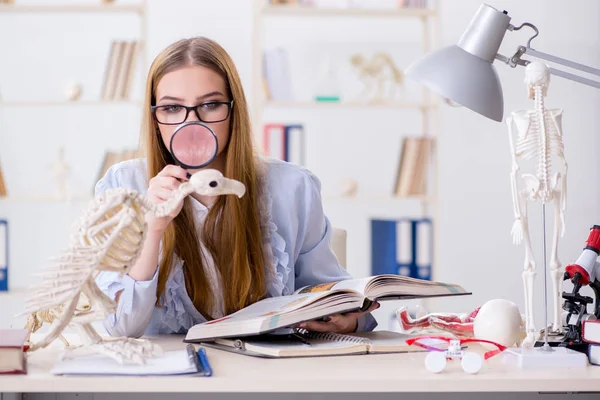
(545, 357)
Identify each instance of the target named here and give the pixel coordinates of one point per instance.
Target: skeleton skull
(537, 74)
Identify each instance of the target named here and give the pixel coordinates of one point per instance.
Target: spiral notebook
(302, 343)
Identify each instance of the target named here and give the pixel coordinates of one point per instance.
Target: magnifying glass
(193, 145)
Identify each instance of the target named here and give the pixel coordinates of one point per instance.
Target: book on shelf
(402, 246)
(303, 343)
(120, 68)
(285, 142)
(318, 301)
(3, 256)
(13, 345)
(3, 191)
(277, 74)
(412, 3)
(412, 175)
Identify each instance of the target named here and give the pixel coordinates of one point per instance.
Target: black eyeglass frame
(195, 109)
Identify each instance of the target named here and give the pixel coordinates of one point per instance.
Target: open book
(302, 343)
(314, 302)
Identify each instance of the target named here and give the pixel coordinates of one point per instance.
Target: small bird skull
(210, 182)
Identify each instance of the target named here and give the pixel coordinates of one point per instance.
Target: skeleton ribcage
(108, 237)
(531, 144)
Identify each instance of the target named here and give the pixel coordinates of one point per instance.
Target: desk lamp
(464, 74)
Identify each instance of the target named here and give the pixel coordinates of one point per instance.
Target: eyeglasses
(175, 114)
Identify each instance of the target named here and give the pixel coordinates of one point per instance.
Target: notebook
(13, 344)
(301, 343)
(179, 362)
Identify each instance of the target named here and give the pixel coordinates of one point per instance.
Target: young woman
(216, 255)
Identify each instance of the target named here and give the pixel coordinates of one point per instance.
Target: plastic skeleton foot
(456, 324)
(108, 237)
(538, 141)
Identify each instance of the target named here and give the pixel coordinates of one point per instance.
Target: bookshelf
(346, 105)
(36, 216)
(310, 11)
(67, 103)
(77, 8)
(354, 211)
(79, 11)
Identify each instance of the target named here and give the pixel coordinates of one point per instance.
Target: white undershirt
(212, 274)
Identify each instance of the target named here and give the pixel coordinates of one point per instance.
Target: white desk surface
(364, 373)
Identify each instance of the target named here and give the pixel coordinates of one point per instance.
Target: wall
(475, 215)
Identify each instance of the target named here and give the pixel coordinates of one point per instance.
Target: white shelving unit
(31, 217)
(76, 8)
(428, 107)
(425, 108)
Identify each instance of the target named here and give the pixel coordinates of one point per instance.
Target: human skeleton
(538, 138)
(108, 237)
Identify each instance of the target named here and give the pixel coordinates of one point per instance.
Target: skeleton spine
(544, 160)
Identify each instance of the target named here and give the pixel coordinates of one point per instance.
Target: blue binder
(3, 256)
(408, 256)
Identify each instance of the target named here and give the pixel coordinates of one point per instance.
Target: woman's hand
(160, 189)
(338, 323)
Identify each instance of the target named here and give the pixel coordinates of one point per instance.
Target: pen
(299, 338)
(206, 368)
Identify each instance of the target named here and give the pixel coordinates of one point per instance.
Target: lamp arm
(517, 60)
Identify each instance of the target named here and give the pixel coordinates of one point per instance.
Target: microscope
(585, 271)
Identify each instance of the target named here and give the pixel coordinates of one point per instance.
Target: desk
(350, 374)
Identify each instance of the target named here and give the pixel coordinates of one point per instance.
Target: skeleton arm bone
(517, 229)
(563, 198)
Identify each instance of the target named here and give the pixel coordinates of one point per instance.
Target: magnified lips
(194, 145)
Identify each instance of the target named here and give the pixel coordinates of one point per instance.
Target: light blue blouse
(296, 234)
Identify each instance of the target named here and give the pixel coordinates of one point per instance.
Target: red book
(13, 345)
(590, 331)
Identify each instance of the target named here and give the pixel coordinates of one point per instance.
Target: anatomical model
(380, 76)
(109, 237)
(536, 144)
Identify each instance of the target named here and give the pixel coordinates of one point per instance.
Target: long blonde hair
(231, 231)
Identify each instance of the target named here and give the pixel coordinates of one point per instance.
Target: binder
(403, 247)
(3, 256)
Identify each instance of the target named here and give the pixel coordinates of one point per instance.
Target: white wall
(475, 216)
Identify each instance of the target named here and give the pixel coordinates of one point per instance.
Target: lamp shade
(463, 78)
(464, 72)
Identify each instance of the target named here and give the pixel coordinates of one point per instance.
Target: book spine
(294, 144)
(402, 247)
(3, 255)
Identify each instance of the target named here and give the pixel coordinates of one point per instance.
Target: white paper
(171, 363)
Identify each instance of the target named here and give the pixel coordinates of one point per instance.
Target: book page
(397, 286)
(272, 306)
(285, 346)
(356, 285)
